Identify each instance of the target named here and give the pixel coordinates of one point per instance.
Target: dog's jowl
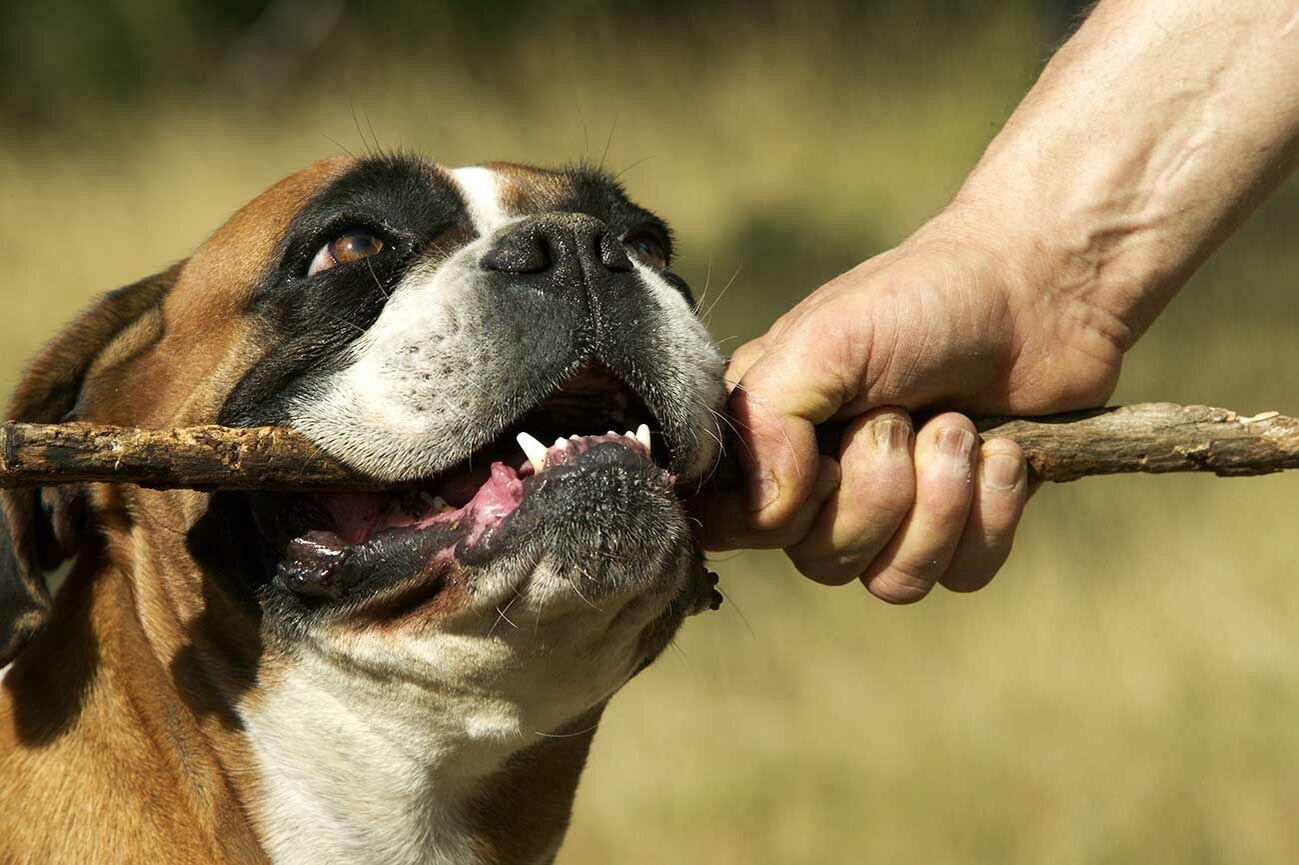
(406, 676)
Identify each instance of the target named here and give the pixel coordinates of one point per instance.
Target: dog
(412, 675)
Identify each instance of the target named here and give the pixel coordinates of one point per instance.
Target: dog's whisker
(578, 592)
(356, 327)
(356, 122)
(721, 450)
(762, 404)
(707, 314)
(635, 164)
(502, 615)
(379, 285)
(613, 127)
(590, 729)
(586, 137)
(370, 124)
(708, 280)
(730, 602)
(340, 145)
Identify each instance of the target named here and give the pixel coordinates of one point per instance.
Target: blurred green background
(1126, 691)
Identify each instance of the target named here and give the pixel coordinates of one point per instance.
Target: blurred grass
(1128, 689)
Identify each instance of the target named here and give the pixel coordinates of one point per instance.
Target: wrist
(1070, 248)
(1066, 338)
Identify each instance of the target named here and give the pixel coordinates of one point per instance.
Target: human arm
(1148, 138)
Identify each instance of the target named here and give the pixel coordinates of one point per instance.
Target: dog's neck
(358, 769)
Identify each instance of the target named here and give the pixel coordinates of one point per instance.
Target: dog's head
(418, 323)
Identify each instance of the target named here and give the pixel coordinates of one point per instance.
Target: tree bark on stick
(199, 457)
(1154, 437)
(1148, 437)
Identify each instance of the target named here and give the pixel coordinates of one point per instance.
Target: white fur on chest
(356, 771)
(372, 749)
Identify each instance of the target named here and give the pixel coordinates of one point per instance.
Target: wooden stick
(200, 457)
(1154, 437)
(1149, 437)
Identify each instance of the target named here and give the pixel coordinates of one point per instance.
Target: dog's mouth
(329, 544)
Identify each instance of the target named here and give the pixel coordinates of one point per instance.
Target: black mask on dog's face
(423, 320)
(414, 321)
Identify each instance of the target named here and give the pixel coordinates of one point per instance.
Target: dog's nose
(571, 246)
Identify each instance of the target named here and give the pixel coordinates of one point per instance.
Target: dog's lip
(345, 528)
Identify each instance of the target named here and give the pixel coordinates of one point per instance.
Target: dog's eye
(353, 246)
(647, 248)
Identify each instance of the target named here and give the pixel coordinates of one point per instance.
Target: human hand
(951, 319)
(1132, 158)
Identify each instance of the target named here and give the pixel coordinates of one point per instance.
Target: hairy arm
(1147, 139)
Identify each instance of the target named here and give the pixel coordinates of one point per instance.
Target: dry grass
(1127, 691)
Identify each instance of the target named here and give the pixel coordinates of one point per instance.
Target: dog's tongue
(355, 514)
(488, 495)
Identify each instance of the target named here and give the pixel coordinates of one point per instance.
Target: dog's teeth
(611, 433)
(535, 451)
(435, 503)
(642, 436)
(560, 442)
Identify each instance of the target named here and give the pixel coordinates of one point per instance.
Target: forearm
(1148, 138)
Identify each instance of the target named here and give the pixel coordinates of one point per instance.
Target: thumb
(800, 381)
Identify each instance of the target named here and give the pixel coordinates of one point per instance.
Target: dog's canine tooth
(560, 442)
(643, 436)
(535, 451)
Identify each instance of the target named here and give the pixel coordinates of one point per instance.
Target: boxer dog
(412, 675)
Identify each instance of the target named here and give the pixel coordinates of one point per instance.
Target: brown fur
(524, 189)
(119, 739)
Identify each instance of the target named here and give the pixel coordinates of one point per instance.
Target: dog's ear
(41, 528)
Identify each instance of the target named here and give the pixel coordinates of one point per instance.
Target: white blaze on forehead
(480, 189)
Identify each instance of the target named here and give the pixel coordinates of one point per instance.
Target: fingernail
(763, 491)
(957, 444)
(1000, 472)
(891, 435)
